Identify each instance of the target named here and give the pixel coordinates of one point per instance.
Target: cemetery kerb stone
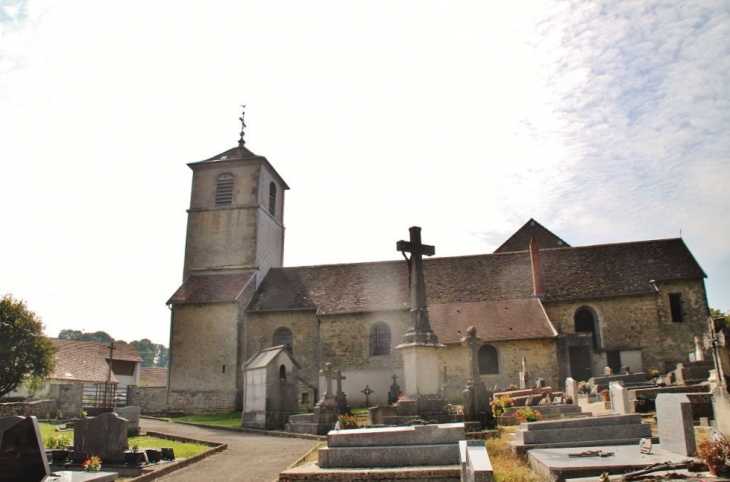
(22, 456)
(674, 422)
(105, 436)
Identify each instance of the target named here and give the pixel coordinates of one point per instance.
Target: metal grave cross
(367, 391)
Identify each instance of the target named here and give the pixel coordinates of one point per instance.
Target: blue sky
(606, 122)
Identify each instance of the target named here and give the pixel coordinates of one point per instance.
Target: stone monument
(325, 413)
(420, 344)
(674, 423)
(477, 406)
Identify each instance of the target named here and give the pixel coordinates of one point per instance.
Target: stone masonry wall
(642, 321)
(539, 354)
(150, 399)
(69, 397)
(203, 401)
(39, 408)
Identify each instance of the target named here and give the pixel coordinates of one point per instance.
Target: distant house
(153, 377)
(88, 362)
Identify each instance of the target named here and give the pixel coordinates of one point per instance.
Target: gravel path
(249, 458)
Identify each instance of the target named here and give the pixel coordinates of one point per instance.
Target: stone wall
(39, 408)
(204, 401)
(204, 356)
(149, 399)
(642, 322)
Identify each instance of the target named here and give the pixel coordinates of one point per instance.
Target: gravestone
(620, 403)
(475, 397)
(674, 421)
(105, 436)
(131, 415)
(524, 376)
(394, 391)
(22, 456)
(340, 397)
(571, 389)
(607, 371)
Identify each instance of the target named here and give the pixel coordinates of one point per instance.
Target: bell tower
(236, 215)
(235, 234)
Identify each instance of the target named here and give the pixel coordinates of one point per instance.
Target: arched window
(488, 360)
(380, 340)
(224, 190)
(283, 336)
(585, 322)
(272, 199)
(282, 372)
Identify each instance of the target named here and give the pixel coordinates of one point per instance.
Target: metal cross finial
(242, 142)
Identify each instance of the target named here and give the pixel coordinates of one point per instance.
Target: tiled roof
(520, 241)
(494, 320)
(579, 272)
(153, 376)
(211, 288)
(234, 153)
(87, 360)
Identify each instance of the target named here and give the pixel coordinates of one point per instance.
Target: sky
(604, 121)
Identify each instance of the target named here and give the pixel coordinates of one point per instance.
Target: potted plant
(605, 395)
(501, 404)
(92, 464)
(58, 445)
(347, 421)
(528, 415)
(713, 452)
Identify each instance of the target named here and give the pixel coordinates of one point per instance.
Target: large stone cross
(420, 330)
(328, 374)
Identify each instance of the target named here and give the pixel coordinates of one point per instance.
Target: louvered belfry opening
(224, 190)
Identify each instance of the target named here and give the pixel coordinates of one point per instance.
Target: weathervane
(241, 142)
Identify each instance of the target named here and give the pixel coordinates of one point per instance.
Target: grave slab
(557, 465)
(69, 476)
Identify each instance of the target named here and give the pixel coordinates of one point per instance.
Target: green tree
(82, 336)
(152, 354)
(715, 313)
(24, 350)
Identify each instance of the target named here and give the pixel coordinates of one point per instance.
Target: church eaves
(210, 288)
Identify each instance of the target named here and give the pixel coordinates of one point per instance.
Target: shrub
(57, 442)
(528, 415)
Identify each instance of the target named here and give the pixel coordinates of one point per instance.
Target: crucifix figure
(420, 331)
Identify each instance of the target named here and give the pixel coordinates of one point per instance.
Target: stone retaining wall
(39, 408)
(150, 399)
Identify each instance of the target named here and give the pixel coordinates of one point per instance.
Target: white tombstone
(571, 389)
(621, 403)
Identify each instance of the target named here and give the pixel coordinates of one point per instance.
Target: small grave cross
(367, 391)
(394, 377)
(419, 312)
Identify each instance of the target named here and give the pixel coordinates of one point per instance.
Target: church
(566, 310)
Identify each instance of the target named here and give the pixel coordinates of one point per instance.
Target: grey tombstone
(571, 389)
(22, 456)
(131, 415)
(607, 371)
(340, 396)
(674, 421)
(105, 436)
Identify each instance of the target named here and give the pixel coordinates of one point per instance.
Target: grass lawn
(182, 450)
(219, 419)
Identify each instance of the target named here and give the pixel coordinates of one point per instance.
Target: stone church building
(569, 311)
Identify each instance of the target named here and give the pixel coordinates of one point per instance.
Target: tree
(80, 335)
(153, 354)
(24, 349)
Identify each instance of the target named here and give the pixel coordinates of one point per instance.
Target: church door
(580, 362)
